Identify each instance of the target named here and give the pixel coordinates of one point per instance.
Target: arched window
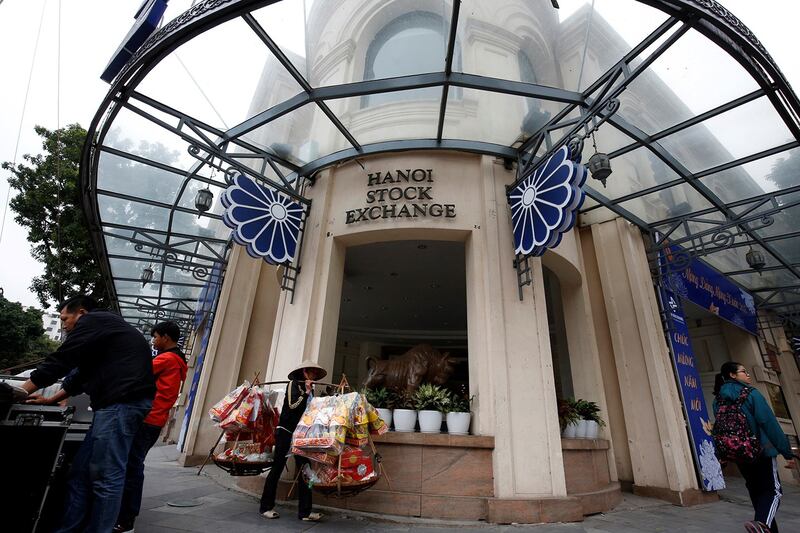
(414, 43)
(535, 116)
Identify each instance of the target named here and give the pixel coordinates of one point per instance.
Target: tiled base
(685, 498)
(567, 509)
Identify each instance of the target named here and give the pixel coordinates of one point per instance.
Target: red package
(223, 408)
(356, 465)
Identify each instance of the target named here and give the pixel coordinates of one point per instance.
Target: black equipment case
(31, 439)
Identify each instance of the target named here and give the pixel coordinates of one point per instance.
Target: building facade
(412, 247)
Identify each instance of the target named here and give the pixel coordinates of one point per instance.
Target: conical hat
(297, 373)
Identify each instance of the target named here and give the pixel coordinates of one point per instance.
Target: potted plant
(590, 419)
(430, 401)
(404, 413)
(458, 414)
(568, 418)
(382, 399)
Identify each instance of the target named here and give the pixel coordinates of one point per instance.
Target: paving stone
(223, 509)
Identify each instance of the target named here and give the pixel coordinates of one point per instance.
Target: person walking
(732, 390)
(298, 391)
(169, 370)
(113, 366)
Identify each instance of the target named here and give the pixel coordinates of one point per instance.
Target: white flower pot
(404, 420)
(386, 416)
(570, 431)
(583, 427)
(430, 421)
(592, 429)
(458, 423)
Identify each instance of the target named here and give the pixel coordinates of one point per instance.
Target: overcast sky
(91, 30)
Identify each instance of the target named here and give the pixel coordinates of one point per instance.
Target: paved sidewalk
(221, 510)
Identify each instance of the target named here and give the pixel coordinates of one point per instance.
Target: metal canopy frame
(702, 233)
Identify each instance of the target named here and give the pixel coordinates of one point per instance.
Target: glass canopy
(701, 127)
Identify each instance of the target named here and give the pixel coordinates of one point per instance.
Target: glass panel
(220, 84)
(136, 135)
(118, 211)
(132, 287)
(122, 175)
(690, 78)
(788, 248)
(607, 139)
(734, 259)
(301, 136)
(359, 40)
(568, 48)
(765, 280)
(632, 172)
(410, 116)
(720, 140)
(667, 203)
(203, 226)
(131, 268)
(495, 117)
(768, 174)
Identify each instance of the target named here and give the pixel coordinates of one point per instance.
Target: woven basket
(242, 468)
(345, 489)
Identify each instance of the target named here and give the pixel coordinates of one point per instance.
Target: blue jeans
(134, 477)
(97, 476)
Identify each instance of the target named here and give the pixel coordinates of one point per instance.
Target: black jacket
(113, 361)
(295, 395)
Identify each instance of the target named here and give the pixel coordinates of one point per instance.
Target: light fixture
(203, 200)
(147, 275)
(599, 164)
(755, 259)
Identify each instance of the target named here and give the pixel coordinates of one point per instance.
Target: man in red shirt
(169, 370)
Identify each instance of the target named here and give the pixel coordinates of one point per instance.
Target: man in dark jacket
(112, 363)
(169, 369)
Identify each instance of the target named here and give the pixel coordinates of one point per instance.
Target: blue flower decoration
(266, 222)
(545, 204)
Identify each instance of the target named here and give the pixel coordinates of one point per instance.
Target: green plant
(380, 397)
(404, 400)
(567, 412)
(588, 411)
(431, 397)
(459, 403)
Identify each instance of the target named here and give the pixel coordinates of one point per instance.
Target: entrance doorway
(397, 295)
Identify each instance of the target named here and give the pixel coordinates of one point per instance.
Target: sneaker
(123, 528)
(313, 517)
(270, 514)
(754, 526)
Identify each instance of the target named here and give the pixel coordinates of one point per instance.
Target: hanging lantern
(599, 164)
(755, 259)
(203, 200)
(147, 275)
(600, 167)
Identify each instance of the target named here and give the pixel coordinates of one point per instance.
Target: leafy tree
(48, 205)
(22, 336)
(786, 171)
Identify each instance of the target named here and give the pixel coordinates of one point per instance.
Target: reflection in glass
(411, 44)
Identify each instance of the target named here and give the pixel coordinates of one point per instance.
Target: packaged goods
(223, 408)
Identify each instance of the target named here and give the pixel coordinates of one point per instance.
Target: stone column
(529, 482)
(246, 294)
(659, 447)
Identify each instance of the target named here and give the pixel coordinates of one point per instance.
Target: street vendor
(298, 391)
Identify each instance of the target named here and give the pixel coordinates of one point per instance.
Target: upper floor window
(414, 43)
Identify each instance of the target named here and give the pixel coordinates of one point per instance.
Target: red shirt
(169, 370)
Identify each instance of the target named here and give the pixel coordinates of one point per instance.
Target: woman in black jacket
(298, 390)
